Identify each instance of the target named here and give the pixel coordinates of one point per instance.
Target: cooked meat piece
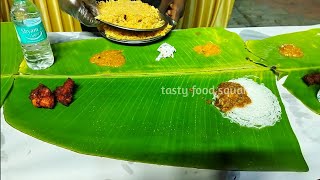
(42, 97)
(311, 79)
(64, 93)
(231, 95)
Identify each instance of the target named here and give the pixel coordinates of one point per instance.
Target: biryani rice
(131, 14)
(119, 34)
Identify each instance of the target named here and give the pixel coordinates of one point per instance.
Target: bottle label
(32, 31)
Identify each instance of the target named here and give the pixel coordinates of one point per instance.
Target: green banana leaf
(131, 118)
(10, 57)
(306, 94)
(11, 53)
(122, 112)
(72, 58)
(268, 51)
(6, 84)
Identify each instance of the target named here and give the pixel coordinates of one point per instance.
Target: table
(24, 157)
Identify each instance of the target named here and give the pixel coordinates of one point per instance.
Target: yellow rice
(120, 34)
(131, 14)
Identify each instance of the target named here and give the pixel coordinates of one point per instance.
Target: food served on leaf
(209, 49)
(312, 79)
(131, 14)
(64, 94)
(290, 50)
(254, 105)
(166, 50)
(111, 58)
(231, 95)
(42, 97)
(120, 34)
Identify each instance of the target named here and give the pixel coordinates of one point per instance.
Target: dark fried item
(64, 94)
(42, 97)
(231, 95)
(311, 79)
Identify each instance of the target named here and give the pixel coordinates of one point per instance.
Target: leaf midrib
(153, 74)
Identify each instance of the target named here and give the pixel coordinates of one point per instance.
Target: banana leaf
(11, 52)
(6, 84)
(129, 117)
(72, 58)
(122, 112)
(268, 51)
(10, 57)
(306, 94)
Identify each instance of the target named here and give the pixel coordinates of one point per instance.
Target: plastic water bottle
(31, 34)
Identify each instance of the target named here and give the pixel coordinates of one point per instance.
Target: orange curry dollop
(208, 50)
(290, 50)
(111, 58)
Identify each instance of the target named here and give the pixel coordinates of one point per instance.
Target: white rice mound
(264, 110)
(166, 50)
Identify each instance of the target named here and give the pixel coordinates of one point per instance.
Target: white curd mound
(166, 50)
(264, 110)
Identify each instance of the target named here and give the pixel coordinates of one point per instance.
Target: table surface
(24, 157)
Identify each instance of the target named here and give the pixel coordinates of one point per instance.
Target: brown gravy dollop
(111, 58)
(231, 95)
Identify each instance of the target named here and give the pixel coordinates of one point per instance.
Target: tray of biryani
(132, 22)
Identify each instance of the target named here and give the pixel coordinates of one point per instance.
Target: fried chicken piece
(64, 94)
(42, 97)
(311, 79)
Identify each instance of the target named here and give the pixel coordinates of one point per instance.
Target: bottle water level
(39, 55)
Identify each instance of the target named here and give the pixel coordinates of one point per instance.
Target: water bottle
(31, 34)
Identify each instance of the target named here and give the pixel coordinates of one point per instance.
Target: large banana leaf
(72, 58)
(130, 118)
(6, 84)
(11, 53)
(268, 51)
(307, 95)
(121, 113)
(11, 57)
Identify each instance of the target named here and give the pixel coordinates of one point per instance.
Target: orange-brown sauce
(231, 95)
(209, 49)
(111, 58)
(290, 50)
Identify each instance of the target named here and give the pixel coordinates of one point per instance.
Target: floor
(257, 13)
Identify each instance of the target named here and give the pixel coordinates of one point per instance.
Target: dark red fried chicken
(64, 93)
(311, 79)
(42, 97)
